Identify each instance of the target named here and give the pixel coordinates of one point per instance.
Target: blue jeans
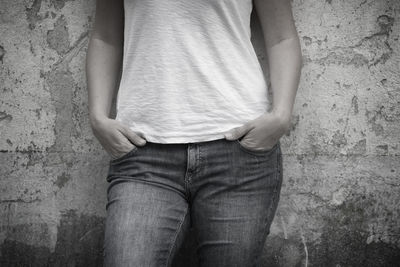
(227, 192)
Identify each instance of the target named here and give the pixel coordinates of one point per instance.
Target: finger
(141, 135)
(237, 132)
(136, 139)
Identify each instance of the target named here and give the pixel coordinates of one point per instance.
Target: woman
(195, 142)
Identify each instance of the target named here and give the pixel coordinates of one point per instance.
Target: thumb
(237, 132)
(135, 138)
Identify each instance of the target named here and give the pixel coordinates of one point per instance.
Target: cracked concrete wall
(339, 201)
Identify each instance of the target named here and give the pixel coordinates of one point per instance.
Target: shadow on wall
(79, 243)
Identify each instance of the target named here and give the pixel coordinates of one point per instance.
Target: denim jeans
(227, 192)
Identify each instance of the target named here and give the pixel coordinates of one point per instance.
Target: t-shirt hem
(183, 139)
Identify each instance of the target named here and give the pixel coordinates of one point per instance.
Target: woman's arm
(283, 52)
(103, 69)
(284, 60)
(104, 57)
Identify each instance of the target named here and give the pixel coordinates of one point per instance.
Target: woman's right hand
(116, 138)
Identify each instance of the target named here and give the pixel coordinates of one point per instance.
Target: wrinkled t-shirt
(190, 72)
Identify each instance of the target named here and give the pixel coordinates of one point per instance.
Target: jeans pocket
(124, 156)
(259, 152)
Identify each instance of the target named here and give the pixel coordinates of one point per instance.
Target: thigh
(147, 215)
(236, 203)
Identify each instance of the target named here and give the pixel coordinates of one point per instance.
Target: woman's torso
(190, 72)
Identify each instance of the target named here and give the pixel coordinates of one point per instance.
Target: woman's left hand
(261, 133)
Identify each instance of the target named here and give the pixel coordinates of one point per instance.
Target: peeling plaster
(32, 14)
(2, 53)
(58, 38)
(371, 50)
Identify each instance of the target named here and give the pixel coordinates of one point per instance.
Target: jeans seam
(175, 237)
(274, 202)
(278, 184)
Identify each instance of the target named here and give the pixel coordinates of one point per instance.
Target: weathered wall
(339, 204)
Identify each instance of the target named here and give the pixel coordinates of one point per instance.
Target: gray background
(340, 197)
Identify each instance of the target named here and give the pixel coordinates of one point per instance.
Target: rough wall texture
(339, 203)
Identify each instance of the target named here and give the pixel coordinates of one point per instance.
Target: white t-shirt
(190, 72)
